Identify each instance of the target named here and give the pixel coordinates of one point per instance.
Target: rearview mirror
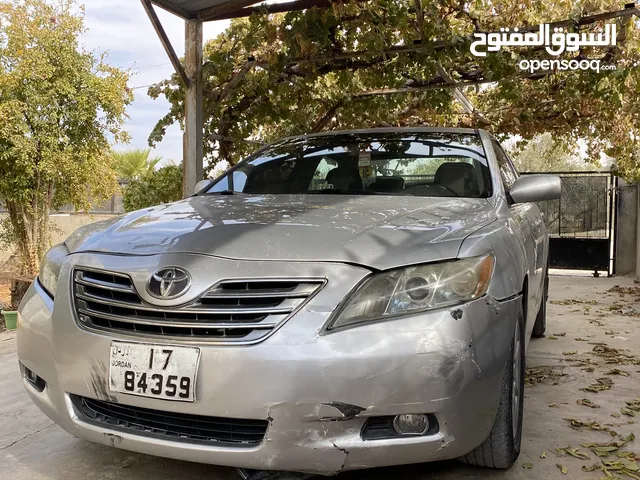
(536, 188)
(201, 185)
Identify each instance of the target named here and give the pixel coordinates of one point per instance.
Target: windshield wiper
(339, 191)
(223, 192)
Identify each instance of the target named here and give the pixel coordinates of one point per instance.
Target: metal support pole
(162, 35)
(192, 166)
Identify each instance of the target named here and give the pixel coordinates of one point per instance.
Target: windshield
(431, 164)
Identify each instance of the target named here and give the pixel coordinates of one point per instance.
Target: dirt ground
(582, 404)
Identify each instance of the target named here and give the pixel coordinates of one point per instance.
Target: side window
(507, 170)
(239, 181)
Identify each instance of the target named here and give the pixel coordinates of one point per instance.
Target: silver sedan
(334, 302)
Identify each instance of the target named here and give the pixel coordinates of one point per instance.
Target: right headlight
(50, 268)
(415, 289)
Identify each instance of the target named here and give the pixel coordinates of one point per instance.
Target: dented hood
(374, 231)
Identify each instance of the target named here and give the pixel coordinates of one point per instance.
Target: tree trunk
(18, 289)
(31, 237)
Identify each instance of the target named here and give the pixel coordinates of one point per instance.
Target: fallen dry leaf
(603, 383)
(587, 403)
(617, 371)
(547, 375)
(573, 301)
(593, 425)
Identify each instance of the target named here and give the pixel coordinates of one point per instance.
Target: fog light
(411, 424)
(31, 377)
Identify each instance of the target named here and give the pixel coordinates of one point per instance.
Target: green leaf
(154, 188)
(527, 465)
(562, 468)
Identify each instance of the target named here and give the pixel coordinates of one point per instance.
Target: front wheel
(502, 447)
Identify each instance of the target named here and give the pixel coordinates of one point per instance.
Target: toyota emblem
(168, 283)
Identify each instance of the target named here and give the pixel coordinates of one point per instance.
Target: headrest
(458, 177)
(345, 178)
(387, 184)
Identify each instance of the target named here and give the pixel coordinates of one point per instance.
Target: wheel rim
(516, 391)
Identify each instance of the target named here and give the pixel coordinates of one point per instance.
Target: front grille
(231, 311)
(169, 425)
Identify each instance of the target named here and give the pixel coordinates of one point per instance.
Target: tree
(59, 105)
(543, 153)
(153, 188)
(132, 164)
(273, 96)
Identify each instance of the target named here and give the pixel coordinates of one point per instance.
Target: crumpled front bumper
(316, 390)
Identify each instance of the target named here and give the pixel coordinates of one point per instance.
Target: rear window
(421, 164)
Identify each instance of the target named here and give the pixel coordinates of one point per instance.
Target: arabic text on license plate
(156, 371)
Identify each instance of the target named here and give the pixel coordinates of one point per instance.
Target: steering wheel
(444, 187)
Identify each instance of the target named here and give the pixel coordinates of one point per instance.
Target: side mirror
(201, 185)
(536, 188)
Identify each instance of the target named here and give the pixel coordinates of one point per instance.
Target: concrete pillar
(627, 228)
(192, 166)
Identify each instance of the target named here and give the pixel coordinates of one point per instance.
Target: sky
(122, 28)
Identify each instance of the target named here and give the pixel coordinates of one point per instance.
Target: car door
(529, 220)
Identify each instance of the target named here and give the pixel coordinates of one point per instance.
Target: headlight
(415, 289)
(50, 268)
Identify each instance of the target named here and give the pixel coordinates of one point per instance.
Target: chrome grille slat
(146, 308)
(240, 311)
(167, 323)
(92, 282)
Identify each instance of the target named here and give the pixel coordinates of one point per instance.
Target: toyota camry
(333, 302)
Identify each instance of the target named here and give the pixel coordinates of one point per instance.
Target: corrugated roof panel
(191, 8)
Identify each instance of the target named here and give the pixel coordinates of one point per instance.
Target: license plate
(156, 371)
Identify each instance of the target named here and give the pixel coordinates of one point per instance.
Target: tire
(541, 320)
(502, 448)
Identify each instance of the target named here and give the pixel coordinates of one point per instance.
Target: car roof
(367, 131)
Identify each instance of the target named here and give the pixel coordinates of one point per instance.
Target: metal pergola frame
(210, 10)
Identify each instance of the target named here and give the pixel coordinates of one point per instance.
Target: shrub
(153, 188)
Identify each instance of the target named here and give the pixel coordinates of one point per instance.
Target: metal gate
(581, 223)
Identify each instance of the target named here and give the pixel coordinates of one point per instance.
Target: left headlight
(414, 289)
(50, 268)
